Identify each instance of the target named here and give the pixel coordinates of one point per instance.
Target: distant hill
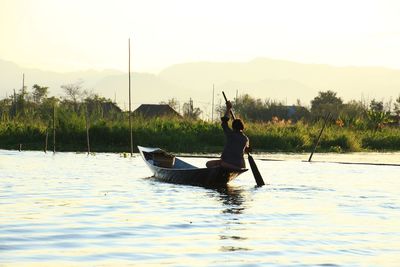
(11, 78)
(285, 80)
(262, 78)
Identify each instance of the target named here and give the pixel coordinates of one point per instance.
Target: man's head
(237, 125)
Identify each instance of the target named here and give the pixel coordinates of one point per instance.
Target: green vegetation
(27, 118)
(182, 135)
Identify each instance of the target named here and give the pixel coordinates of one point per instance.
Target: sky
(71, 35)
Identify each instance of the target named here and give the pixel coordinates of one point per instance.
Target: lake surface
(100, 210)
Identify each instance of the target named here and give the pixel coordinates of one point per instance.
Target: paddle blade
(256, 173)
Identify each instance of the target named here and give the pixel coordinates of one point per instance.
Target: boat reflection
(234, 200)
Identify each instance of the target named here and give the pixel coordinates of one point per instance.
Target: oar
(254, 169)
(319, 136)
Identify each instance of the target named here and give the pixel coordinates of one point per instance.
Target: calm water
(79, 210)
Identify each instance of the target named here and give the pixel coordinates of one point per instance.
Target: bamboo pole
(15, 105)
(212, 110)
(46, 140)
(87, 131)
(54, 128)
(23, 106)
(319, 136)
(23, 86)
(130, 106)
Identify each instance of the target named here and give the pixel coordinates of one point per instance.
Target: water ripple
(103, 211)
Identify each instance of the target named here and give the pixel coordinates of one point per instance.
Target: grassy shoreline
(185, 136)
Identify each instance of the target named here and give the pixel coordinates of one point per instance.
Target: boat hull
(184, 173)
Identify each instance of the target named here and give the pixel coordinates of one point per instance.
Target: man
(236, 144)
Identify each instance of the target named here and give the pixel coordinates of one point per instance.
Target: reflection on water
(74, 210)
(233, 200)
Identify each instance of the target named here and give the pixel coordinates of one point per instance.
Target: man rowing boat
(237, 143)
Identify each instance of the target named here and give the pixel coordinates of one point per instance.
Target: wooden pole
(23, 93)
(46, 140)
(319, 136)
(54, 128)
(87, 131)
(130, 106)
(15, 105)
(212, 110)
(23, 85)
(191, 108)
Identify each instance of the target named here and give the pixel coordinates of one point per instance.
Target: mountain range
(261, 78)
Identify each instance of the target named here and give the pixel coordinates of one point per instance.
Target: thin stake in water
(87, 131)
(130, 110)
(54, 128)
(319, 136)
(46, 140)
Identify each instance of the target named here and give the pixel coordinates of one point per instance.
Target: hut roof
(156, 110)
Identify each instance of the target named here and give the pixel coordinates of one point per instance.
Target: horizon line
(199, 62)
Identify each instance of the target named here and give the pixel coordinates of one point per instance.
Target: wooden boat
(166, 167)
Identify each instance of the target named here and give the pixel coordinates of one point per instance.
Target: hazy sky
(65, 35)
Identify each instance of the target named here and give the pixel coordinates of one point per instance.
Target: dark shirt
(236, 142)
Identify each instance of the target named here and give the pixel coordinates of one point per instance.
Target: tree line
(35, 105)
(360, 114)
(27, 116)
